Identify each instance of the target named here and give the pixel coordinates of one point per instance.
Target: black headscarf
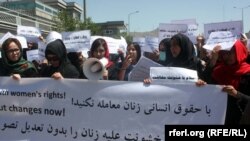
(67, 70)
(186, 58)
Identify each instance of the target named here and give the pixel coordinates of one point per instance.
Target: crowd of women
(230, 69)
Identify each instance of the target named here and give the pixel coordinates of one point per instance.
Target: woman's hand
(215, 55)
(230, 90)
(105, 74)
(147, 81)
(156, 54)
(57, 76)
(200, 83)
(16, 76)
(127, 62)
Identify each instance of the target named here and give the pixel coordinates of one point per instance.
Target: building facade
(112, 28)
(36, 13)
(42, 13)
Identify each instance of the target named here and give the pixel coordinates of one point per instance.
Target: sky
(153, 12)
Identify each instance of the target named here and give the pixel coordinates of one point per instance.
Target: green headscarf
(18, 67)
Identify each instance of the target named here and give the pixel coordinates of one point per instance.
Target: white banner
(52, 36)
(141, 41)
(113, 44)
(225, 39)
(151, 44)
(147, 44)
(6, 36)
(30, 33)
(41, 50)
(74, 110)
(236, 27)
(192, 28)
(167, 30)
(76, 41)
(21, 39)
(142, 69)
(33, 55)
(173, 75)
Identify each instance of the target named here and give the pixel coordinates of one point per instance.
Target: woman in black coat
(59, 65)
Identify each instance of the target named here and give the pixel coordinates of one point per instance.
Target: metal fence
(13, 18)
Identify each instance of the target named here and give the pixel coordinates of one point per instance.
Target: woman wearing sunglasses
(59, 65)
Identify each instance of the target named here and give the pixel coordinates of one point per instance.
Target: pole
(242, 17)
(242, 14)
(128, 30)
(84, 11)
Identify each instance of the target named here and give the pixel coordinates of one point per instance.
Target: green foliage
(66, 23)
(129, 38)
(90, 25)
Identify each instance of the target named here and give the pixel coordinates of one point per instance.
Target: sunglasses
(54, 58)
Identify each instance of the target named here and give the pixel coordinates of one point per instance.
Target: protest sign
(74, 109)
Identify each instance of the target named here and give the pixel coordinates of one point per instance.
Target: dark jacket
(66, 68)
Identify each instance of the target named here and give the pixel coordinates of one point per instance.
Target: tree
(64, 22)
(88, 24)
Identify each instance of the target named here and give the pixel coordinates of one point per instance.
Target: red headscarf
(101, 42)
(230, 74)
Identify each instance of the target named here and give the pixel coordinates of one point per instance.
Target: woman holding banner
(133, 56)
(242, 98)
(12, 62)
(233, 70)
(59, 65)
(233, 73)
(181, 54)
